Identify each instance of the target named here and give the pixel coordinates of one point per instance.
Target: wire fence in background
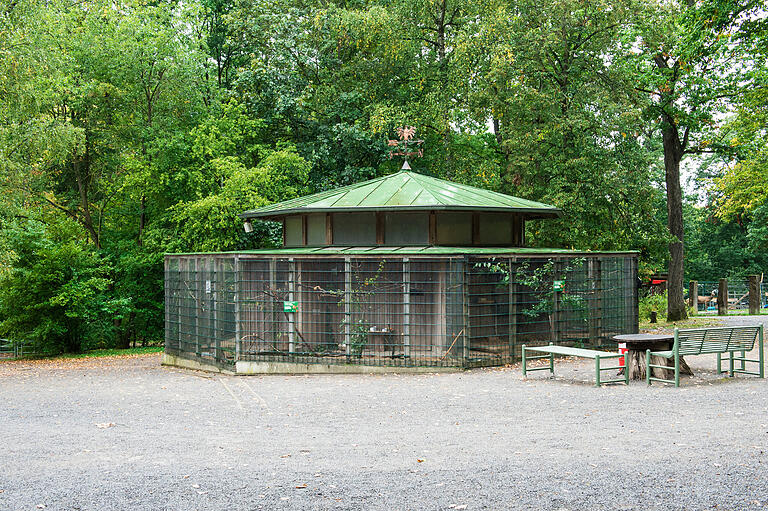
(738, 295)
(13, 350)
(449, 311)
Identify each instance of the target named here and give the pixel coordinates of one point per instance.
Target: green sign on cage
(558, 285)
(290, 306)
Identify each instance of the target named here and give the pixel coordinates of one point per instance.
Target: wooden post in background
(722, 298)
(754, 295)
(693, 295)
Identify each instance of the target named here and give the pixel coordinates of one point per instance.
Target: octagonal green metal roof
(405, 191)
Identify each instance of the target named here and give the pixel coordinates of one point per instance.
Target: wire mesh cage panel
(392, 310)
(738, 295)
(200, 318)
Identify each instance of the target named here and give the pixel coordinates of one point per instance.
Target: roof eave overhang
(531, 213)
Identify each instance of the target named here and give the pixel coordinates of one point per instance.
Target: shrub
(656, 302)
(55, 292)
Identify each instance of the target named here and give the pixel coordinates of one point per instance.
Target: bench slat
(576, 352)
(696, 341)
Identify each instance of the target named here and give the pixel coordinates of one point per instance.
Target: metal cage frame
(393, 310)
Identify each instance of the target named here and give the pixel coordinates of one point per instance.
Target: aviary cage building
(404, 271)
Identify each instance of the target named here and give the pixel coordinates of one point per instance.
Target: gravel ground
(125, 433)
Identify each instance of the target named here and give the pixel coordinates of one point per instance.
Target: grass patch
(744, 312)
(100, 353)
(691, 322)
(112, 352)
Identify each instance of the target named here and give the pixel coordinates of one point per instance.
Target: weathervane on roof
(406, 146)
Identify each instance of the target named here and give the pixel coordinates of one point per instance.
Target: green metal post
(597, 370)
(647, 367)
(522, 352)
(217, 299)
(760, 352)
(719, 364)
(551, 361)
(556, 305)
(348, 306)
(512, 313)
(730, 365)
(236, 278)
(406, 308)
(677, 358)
(291, 297)
(467, 319)
(198, 298)
(273, 333)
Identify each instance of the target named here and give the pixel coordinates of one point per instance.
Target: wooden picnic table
(634, 360)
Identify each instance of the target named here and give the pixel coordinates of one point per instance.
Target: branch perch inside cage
(451, 346)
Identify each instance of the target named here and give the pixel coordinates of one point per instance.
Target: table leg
(685, 368)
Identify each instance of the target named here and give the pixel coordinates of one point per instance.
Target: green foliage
(138, 278)
(652, 303)
(718, 248)
(735, 228)
(360, 302)
(132, 129)
(567, 128)
(56, 293)
(740, 191)
(212, 224)
(111, 352)
(540, 283)
(230, 133)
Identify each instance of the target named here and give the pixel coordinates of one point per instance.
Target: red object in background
(657, 282)
(622, 351)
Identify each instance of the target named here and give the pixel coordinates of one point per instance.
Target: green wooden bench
(720, 341)
(553, 350)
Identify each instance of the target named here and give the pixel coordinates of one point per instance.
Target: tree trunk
(142, 219)
(497, 131)
(673, 153)
(81, 177)
(754, 294)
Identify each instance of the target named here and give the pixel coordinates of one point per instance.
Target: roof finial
(406, 146)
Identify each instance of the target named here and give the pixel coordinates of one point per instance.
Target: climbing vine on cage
(542, 283)
(359, 304)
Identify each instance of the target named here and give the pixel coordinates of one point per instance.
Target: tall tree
(688, 65)
(740, 191)
(567, 130)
